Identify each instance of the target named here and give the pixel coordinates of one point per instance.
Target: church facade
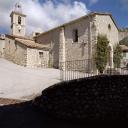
(75, 40)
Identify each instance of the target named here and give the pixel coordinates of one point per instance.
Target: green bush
(101, 55)
(117, 56)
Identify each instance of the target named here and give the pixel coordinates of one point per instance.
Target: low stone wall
(101, 98)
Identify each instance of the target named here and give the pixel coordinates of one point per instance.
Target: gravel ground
(22, 83)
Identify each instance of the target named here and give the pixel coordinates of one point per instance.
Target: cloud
(124, 4)
(43, 15)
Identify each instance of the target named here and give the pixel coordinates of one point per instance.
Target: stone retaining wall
(90, 99)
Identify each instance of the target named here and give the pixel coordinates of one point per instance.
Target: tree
(101, 55)
(117, 56)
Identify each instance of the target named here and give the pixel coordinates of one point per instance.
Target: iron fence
(76, 69)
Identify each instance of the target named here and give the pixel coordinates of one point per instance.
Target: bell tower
(18, 21)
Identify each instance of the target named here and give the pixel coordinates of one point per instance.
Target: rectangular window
(124, 54)
(41, 54)
(75, 35)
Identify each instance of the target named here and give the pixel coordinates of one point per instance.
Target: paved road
(17, 82)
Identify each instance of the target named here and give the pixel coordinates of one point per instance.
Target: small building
(26, 52)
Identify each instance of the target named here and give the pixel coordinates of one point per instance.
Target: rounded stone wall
(95, 98)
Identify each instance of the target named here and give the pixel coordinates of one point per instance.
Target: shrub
(117, 56)
(101, 55)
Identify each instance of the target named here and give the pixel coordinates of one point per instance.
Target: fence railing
(76, 69)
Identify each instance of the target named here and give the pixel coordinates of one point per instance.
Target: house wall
(84, 48)
(123, 34)
(51, 39)
(102, 22)
(106, 26)
(2, 47)
(34, 59)
(77, 50)
(124, 60)
(15, 52)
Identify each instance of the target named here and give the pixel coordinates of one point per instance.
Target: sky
(43, 15)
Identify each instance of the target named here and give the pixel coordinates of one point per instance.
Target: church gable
(107, 26)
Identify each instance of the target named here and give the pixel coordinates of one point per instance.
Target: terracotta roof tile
(31, 44)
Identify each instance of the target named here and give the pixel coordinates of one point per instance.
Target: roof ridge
(72, 21)
(20, 37)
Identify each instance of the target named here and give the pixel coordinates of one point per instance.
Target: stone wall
(74, 50)
(15, 52)
(35, 60)
(77, 50)
(106, 26)
(123, 34)
(2, 47)
(51, 39)
(99, 98)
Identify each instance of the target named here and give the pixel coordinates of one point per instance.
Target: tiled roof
(28, 42)
(31, 44)
(124, 48)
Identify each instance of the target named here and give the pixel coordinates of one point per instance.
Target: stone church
(75, 40)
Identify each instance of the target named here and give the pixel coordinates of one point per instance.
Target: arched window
(109, 26)
(19, 19)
